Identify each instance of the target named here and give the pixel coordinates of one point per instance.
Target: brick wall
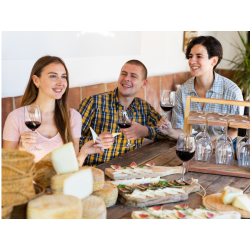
(151, 93)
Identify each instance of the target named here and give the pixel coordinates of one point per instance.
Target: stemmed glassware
(167, 102)
(224, 150)
(33, 119)
(124, 121)
(185, 150)
(243, 149)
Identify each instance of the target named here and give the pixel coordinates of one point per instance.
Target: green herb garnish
(121, 186)
(163, 182)
(141, 166)
(124, 167)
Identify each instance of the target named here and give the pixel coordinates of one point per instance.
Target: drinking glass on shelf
(167, 102)
(224, 150)
(241, 142)
(204, 147)
(185, 150)
(203, 133)
(32, 119)
(124, 121)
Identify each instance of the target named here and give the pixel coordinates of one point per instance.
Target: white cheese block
(146, 180)
(169, 191)
(147, 170)
(159, 193)
(229, 193)
(242, 202)
(64, 159)
(79, 184)
(115, 134)
(155, 180)
(93, 207)
(139, 196)
(169, 214)
(55, 207)
(94, 135)
(149, 194)
(108, 193)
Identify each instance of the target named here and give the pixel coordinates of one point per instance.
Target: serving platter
(149, 172)
(214, 202)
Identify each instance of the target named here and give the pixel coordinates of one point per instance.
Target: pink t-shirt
(15, 126)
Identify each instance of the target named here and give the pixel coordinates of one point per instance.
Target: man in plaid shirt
(100, 112)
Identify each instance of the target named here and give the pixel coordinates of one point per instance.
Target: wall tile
(74, 97)
(180, 78)
(153, 92)
(167, 82)
(141, 94)
(92, 90)
(111, 86)
(18, 100)
(7, 107)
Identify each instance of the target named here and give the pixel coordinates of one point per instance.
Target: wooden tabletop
(163, 153)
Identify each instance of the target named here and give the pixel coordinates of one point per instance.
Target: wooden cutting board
(135, 202)
(210, 168)
(157, 171)
(214, 202)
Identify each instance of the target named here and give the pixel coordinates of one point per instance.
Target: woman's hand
(165, 124)
(27, 141)
(90, 148)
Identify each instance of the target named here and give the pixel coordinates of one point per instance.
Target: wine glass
(185, 149)
(167, 102)
(124, 121)
(224, 151)
(203, 133)
(32, 119)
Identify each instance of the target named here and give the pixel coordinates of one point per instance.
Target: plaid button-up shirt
(100, 112)
(222, 88)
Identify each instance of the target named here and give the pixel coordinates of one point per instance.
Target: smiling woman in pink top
(48, 87)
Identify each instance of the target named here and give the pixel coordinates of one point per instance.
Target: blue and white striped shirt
(222, 88)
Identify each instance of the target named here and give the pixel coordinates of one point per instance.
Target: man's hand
(107, 139)
(136, 131)
(165, 124)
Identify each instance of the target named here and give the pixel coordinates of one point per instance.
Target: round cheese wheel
(108, 193)
(57, 206)
(93, 207)
(98, 178)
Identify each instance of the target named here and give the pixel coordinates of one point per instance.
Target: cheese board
(153, 191)
(214, 201)
(129, 173)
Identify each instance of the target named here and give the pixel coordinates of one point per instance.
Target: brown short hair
(212, 45)
(139, 63)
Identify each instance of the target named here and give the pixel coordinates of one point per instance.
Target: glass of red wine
(185, 150)
(124, 121)
(32, 119)
(167, 102)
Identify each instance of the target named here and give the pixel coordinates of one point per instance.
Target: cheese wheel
(229, 193)
(98, 178)
(93, 207)
(108, 193)
(55, 207)
(79, 184)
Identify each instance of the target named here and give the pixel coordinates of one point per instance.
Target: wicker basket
(17, 188)
(18, 159)
(6, 212)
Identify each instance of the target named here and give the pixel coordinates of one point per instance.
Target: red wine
(166, 107)
(33, 125)
(124, 124)
(184, 154)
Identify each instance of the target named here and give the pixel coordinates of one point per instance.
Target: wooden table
(163, 153)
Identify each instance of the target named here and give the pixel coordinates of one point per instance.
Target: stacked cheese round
(98, 178)
(93, 207)
(55, 207)
(108, 193)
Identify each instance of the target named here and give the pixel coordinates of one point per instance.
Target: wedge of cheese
(108, 193)
(242, 202)
(64, 159)
(229, 193)
(79, 184)
(55, 207)
(93, 207)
